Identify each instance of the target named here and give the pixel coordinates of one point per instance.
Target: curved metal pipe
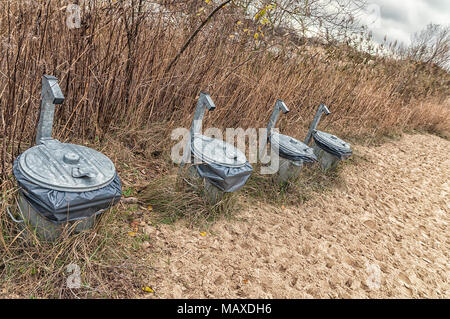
(204, 102)
(50, 95)
(279, 106)
(322, 109)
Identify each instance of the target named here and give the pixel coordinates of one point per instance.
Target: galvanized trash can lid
(291, 146)
(66, 167)
(214, 151)
(334, 144)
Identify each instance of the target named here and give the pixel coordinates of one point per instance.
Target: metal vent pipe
(279, 106)
(322, 109)
(50, 95)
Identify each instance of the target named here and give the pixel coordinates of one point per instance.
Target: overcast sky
(398, 20)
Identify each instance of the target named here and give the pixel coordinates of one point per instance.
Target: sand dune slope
(383, 233)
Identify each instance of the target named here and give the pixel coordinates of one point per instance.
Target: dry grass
(311, 181)
(120, 100)
(32, 268)
(112, 71)
(173, 197)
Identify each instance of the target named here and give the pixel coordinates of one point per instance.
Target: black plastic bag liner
(60, 207)
(227, 179)
(296, 152)
(293, 157)
(342, 154)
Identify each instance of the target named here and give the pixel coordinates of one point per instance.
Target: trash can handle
(80, 172)
(312, 128)
(17, 221)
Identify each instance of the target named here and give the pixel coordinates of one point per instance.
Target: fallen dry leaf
(147, 289)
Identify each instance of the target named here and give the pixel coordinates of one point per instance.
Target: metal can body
(46, 229)
(288, 170)
(212, 193)
(327, 161)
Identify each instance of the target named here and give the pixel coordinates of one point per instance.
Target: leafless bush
(432, 45)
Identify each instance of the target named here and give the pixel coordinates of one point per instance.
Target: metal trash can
(223, 168)
(62, 183)
(329, 148)
(291, 152)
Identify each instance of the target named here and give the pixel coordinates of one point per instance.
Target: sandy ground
(382, 233)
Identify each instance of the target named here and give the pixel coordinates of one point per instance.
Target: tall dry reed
(112, 70)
